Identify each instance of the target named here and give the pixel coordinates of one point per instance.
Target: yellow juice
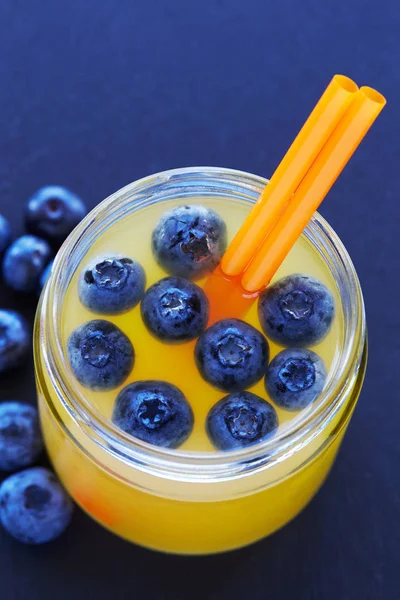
(163, 510)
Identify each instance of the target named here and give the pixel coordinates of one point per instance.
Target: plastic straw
(295, 164)
(362, 112)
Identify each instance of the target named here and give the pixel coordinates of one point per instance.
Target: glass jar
(187, 502)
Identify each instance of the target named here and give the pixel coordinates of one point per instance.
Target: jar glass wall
(186, 501)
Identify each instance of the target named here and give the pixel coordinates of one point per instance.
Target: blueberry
(239, 420)
(20, 436)
(295, 378)
(24, 262)
(297, 310)
(5, 234)
(175, 310)
(44, 276)
(189, 241)
(112, 285)
(53, 212)
(155, 412)
(15, 342)
(100, 354)
(34, 508)
(232, 355)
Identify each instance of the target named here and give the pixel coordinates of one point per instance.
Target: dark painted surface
(95, 94)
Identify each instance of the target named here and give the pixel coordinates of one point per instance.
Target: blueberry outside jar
(187, 502)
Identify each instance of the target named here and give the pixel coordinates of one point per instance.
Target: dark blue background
(94, 94)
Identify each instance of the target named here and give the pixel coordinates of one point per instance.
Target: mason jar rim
(190, 465)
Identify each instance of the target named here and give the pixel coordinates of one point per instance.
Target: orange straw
(295, 164)
(362, 112)
(298, 188)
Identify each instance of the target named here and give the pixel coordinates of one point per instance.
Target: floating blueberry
(5, 234)
(44, 276)
(295, 378)
(15, 340)
(232, 355)
(24, 262)
(53, 212)
(239, 420)
(100, 354)
(112, 285)
(154, 411)
(34, 508)
(189, 241)
(296, 311)
(175, 310)
(20, 437)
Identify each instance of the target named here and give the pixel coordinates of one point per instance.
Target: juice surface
(174, 363)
